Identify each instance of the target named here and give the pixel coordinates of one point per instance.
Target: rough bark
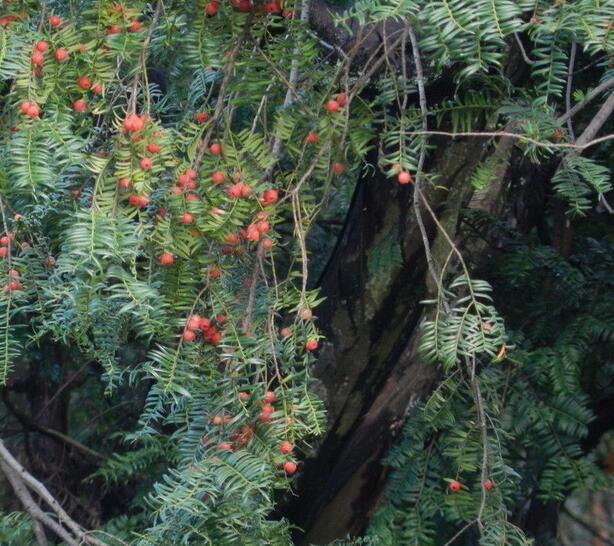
(370, 369)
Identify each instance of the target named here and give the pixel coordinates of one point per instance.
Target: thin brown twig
(572, 60)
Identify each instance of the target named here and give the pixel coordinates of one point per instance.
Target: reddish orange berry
(166, 259)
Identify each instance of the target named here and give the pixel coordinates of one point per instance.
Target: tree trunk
(370, 369)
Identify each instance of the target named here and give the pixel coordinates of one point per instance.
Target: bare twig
(522, 50)
(603, 86)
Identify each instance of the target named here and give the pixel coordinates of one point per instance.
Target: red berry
(214, 273)
(285, 448)
(124, 183)
(192, 197)
(97, 88)
(133, 123)
(146, 164)
(84, 82)
(13, 285)
(313, 138)
(341, 99)
(191, 174)
(269, 197)
(212, 7)
(271, 7)
(269, 397)
(193, 322)
(138, 200)
(204, 324)
(306, 314)
(287, 14)
(14, 273)
(5, 241)
(136, 26)
(4, 251)
(201, 117)
(404, 177)
(37, 58)
(113, 30)
(186, 218)
(215, 149)
(61, 55)
(225, 447)
(25, 106)
(79, 105)
(42, 46)
(312, 345)
(218, 177)
(153, 148)
(332, 106)
(55, 21)
(488, 485)
(285, 332)
(267, 244)
(455, 486)
(234, 191)
(290, 467)
(244, 396)
(166, 259)
(338, 168)
(33, 111)
(220, 319)
(188, 336)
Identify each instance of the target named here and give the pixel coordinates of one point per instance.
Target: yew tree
(304, 271)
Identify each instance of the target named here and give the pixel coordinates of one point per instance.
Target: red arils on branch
(153, 148)
(338, 168)
(216, 149)
(290, 467)
(218, 177)
(455, 486)
(201, 117)
(488, 485)
(166, 259)
(313, 138)
(41, 46)
(84, 82)
(133, 123)
(138, 200)
(37, 58)
(341, 99)
(312, 345)
(146, 164)
(136, 26)
(55, 21)
(186, 218)
(286, 448)
(61, 55)
(188, 336)
(404, 178)
(269, 197)
(79, 105)
(212, 7)
(332, 106)
(269, 397)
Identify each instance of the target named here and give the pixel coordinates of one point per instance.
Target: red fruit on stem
(306, 314)
(24, 107)
(216, 149)
(341, 99)
(267, 244)
(113, 30)
(146, 164)
(285, 332)
(186, 218)
(84, 82)
(153, 148)
(404, 177)
(214, 273)
(166, 259)
(244, 396)
(312, 345)
(225, 447)
(338, 168)
(4, 251)
(212, 7)
(204, 324)
(218, 177)
(33, 111)
(332, 106)
(136, 26)
(97, 88)
(188, 336)
(61, 55)
(269, 397)
(133, 123)
(271, 7)
(455, 486)
(5, 241)
(488, 485)
(313, 138)
(79, 105)
(201, 117)
(55, 21)
(124, 183)
(290, 467)
(234, 191)
(37, 58)
(138, 200)
(193, 322)
(269, 197)
(191, 174)
(286, 448)
(192, 197)
(13, 285)
(42, 46)
(220, 319)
